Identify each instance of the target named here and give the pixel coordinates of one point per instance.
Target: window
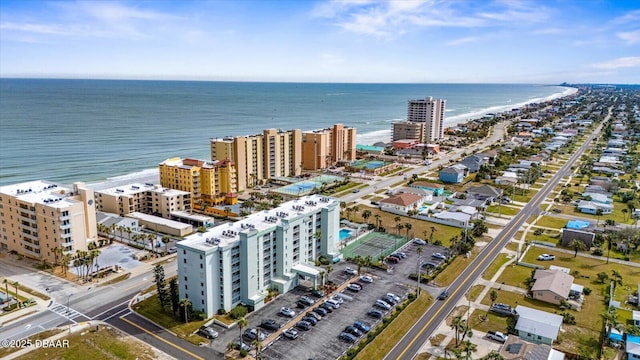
(183, 260)
(185, 278)
(201, 266)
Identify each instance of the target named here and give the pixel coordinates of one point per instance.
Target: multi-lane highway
(410, 344)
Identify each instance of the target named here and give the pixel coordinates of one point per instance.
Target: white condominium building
(238, 262)
(431, 112)
(44, 221)
(145, 198)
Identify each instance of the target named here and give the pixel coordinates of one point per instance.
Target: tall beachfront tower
(431, 112)
(44, 221)
(325, 147)
(239, 262)
(262, 156)
(209, 182)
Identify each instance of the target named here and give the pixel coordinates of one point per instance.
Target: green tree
(175, 296)
(493, 295)
(397, 220)
(366, 214)
(433, 230)
(493, 355)
(165, 240)
(161, 286)
(598, 215)
(16, 284)
(242, 323)
(407, 226)
(577, 245)
(185, 304)
(479, 228)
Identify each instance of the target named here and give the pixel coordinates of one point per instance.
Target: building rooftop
(226, 234)
(558, 282)
(135, 188)
(538, 322)
(40, 192)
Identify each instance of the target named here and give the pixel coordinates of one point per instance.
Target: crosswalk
(64, 311)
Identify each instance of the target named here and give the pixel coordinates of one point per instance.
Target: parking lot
(321, 341)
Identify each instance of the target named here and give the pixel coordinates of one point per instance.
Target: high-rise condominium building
(325, 147)
(208, 182)
(262, 156)
(428, 111)
(145, 198)
(44, 221)
(238, 262)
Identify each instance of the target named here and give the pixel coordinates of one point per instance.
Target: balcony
(64, 217)
(65, 226)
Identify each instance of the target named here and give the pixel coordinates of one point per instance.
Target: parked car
(287, 312)
(366, 279)
(307, 300)
(172, 250)
(311, 320)
(389, 300)
(270, 325)
(303, 325)
(237, 344)
(394, 296)
(545, 257)
(356, 191)
(291, 333)
(362, 326)
(301, 305)
(400, 253)
(337, 298)
(353, 288)
(320, 311)
(350, 271)
(443, 295)
(314, 315)
(383, 304)
(397, 256)
(429, 265)
(355, 284)
(353, 331)
(419, 241)
(207, 332)
(497, 336)
(318, 293)
(374, 313)
(439, 256)
(328, 308)
(392, 260)
(503, 309)
(347, 337)
(333, 303)
(253, 334)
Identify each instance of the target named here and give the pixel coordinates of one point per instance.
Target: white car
(350, 271)
(337, 298)
(287, 312)
(383, 304)
(545, 257)
(333, 303)
(439, 256)
(366, 279)
(394, 296)
(419, 241)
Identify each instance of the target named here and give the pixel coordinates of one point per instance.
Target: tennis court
(375, 245)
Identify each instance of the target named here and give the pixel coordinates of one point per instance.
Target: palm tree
(6, 286)
(128, 231)
(433, 229)
(165, 240)
(329, 269)
(185, 303)
(609, 241)
(356, 209)
(16, 284)
(493, 355)
(397, 220)
(377, 216)
(399, 227)
(470, 348)
(493, 295)
(112, 230)
(577, 245)
(625, 213)
(242, 323)
(365, 216)
(598, 214)
(257, 344)
(457, 325)
(616, 278)
(407, 226)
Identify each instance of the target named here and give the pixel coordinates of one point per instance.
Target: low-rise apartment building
(144, 198)
(42, 220)
(238, 262)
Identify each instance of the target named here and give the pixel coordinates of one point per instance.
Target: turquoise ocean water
(90, 130)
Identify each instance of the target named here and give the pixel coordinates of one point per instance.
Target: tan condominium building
(406, 130)
(326, 147)
(44, 221)
(208, 182)
(144, 198)
(431, 112)
(261, 157)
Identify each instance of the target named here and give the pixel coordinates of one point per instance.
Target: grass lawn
(151, 309)
(515, 275)
(512, 245)
(552, 222)
(419, 228)
(549, 236)
(617, 215)
(504, 210)
(495, 266)
(473, 293)
(483, 321)
(39, 336)
(528, 194)
(389, 337)
(454, 269)
(106, 343)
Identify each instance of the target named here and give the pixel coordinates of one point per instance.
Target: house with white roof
(537, 326)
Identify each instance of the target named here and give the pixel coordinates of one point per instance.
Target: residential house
(590, 207)
(453, 174)
(517, 349)
(401, 203)
(632, 347)
(474, 162)
(597, 197)
(551, 286)
(537, 326)
(507, 178)
(568, 235)
(436, 189)
(484, 192)
(452, 218)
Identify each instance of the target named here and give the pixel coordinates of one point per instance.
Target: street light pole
(69, 311)
(418, 280)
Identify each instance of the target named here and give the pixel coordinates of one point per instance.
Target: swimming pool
(344, 233)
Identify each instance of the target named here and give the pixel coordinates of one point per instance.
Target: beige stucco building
(552, 286)
(208, 182)
(145, 198)
(407, 130)
(262, 156)
(39, 216)
(325, 147)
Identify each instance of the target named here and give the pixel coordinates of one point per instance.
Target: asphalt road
(410, 344)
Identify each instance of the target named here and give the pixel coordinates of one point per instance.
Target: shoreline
(372, 137)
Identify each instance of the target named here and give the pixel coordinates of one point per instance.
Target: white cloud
(464, 40)
(623, 62)
(630, 37)
(549, 31)
(632, 17)
(517, 12)
(48, 29)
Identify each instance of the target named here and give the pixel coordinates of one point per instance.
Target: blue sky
(505, 41)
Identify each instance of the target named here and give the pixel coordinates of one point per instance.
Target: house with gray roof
(453, 174)
(551, 286)
(537, 326)
(474, 162)
(484, 192)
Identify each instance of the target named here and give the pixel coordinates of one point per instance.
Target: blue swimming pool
(344, 233)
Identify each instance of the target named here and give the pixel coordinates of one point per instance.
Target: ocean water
(91, 130)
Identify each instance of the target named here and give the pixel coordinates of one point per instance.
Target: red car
(393, 260)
